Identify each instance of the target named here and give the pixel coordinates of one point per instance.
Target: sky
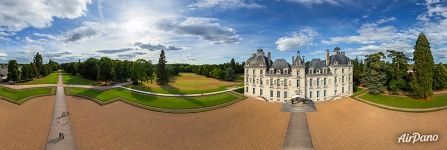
(214, 31)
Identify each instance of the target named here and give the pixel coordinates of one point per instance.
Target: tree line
(27, 72)
(106, 69)
(226, 71)
(420, 78)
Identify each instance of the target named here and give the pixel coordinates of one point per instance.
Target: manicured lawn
(50, 79)
(76, 79)
(18, 95)
(155, 101)
(406, 102)
(188, 83)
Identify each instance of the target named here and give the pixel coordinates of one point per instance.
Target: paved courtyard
(249, 124)
(25, 126)
(350, 124)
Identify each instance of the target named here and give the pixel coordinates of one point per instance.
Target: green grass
(50, 79)
(18, 95)
(188, 83)
(76, 79)
(155, 101)
(406, 102)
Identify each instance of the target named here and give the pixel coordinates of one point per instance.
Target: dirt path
(25, 126)
(350, 124)
(249, 124)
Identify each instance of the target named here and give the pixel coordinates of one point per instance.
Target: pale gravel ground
(350, 124)
(249, 124)
(25, 126)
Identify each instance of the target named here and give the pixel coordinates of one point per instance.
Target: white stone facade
(279, 81)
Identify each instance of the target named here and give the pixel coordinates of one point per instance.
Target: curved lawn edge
(416, 110)
(163, 110)
(20, 102)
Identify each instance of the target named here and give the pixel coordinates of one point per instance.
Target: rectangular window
(342, 89)
(246, 89)
(285, 94)
(318, 82)
(342, 79)
(335, 80)
(285, 82)
(278, 83)
(271, 93)
(260, 91)
(254, 91)
(318, 94)
(298, 73)
(324, 93)
(271, 82)
(261, 81)
(261, 71)
(297, 83)
(278, 94)
(310, 82)
(335, 92)
(342, 70)
(324, 81)
(253, 72)
(310, 94)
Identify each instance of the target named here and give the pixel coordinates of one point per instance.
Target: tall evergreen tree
(440, 77)
(374, 76)
(38, 62)
(357, 71)
(423, 68)
(106, 71)
(13, 71)
(162, 74)
(233, 64)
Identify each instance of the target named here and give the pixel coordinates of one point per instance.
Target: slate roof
(280, 64)
(341, 59)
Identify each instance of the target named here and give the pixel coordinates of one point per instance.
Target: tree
(374, 76)
(26, 73)
(106, 71)
(162, 75)
(233, 64)
(38, 62)
(423, 68)
(13, 71)
(357, 70)
(397, 71)
(139, 72)
(440, 77)
(149, 71)
(230, 75)
(90, 69)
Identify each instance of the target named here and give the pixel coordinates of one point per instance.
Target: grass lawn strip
(188, 83)
(174, 103)
(20, 96)
(76, 79)
(404, 103)
(50, 79)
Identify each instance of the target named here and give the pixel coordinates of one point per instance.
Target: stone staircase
(289, 107)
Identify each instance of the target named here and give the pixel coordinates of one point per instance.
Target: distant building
(3, 72)
(280, 81)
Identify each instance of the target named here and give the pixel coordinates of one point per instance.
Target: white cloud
(318, 2)
(205, 28)
(2, 54)
(296, 40)
(224, 4)
(385, 20)
(20, 14)
(87, 30)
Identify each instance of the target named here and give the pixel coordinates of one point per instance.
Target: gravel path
(350, 124)
(25, 126)
(60, 135)
(249, 124)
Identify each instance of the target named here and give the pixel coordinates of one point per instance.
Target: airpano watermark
(417, 137)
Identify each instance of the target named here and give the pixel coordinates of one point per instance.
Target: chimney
(327, 57)
(269, 55)
(254, 54)
(304, 60)
(293, 59)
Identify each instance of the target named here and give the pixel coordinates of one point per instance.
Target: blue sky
(214, 31)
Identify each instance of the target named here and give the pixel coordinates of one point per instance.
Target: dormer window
(286, 71)
(311, 71)
(278, 72)
(262, 64)
(318, 71)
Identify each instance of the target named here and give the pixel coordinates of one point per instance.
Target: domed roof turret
(258, 59)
